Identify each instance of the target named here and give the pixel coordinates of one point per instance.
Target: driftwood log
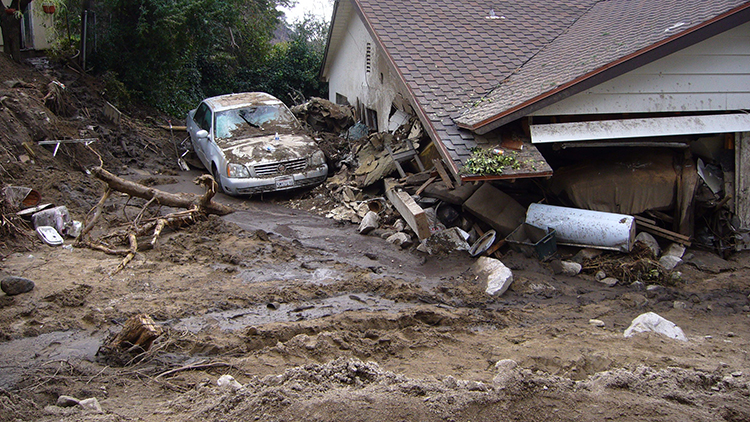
(177, 200)
(135, 338)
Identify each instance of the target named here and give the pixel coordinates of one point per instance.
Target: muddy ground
(317, 322)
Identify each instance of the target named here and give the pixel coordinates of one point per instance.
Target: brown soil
(320, 323)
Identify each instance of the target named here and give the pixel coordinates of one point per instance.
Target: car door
(202, 119)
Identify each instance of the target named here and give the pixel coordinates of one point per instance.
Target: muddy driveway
(315, 321)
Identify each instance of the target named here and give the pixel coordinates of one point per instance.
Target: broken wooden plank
(412, 213)
(424, 185)
(176, 128)
(443, 173)
(664, 233)
(112, 113)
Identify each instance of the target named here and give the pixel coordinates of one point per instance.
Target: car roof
(230, 101)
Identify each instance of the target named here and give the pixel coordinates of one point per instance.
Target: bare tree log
(183, 200)
(131, 254)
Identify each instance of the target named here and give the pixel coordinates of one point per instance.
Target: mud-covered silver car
(252, 143)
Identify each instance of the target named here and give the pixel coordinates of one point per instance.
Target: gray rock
(91, 405)
(400, 239)
(369, 222)
(13, 285)
(676, 250)
(609, 281)
(67, 401)
(600, 275)
(679, 304)
(649, 241)
(669, 262)
(507, 372)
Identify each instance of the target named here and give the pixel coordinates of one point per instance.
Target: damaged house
(637, 107)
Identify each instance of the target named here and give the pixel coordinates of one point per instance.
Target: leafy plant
(486, 161)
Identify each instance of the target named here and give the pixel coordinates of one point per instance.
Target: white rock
(497, 276)
(600, 275)
(669, 262)
(649, 241)
(653, 322)
(571, 269)
(369, 222)
(91, 404)
(596, 322)
(675, 249)
(228, 381)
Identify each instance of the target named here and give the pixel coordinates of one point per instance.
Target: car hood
(267, 149)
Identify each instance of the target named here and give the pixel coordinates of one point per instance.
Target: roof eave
(700, 32)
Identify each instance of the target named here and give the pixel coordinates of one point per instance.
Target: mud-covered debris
(325, 116)
(135, 338)
(67, 401)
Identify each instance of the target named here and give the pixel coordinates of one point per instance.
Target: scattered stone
(596, 322)
(600, 275)
(637, 285)
(497, 276)
(633, 300)
(67, 401)
(588, 253)
(675, 249)
(609, 281)
(227, 381)
(730, 334)
(649, 241)
(737, 374)
(651, 321)
(507, 372)
(679, 304)
(400, 239)
(91, 405)
(570, 269)
(669, 262)
(369, 222)
(13, 285)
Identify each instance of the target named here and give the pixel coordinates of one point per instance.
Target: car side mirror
(203, 133)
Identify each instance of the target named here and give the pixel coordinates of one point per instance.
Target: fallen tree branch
(194, 367)
(183, 200)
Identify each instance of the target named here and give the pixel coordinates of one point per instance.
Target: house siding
(348, 74)
(713, 75)
(41, 24)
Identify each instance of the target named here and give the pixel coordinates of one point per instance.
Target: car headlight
(318, 158)
(237, 171)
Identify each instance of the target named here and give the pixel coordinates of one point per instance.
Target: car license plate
(284, 182)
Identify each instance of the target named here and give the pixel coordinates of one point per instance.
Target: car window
(202, 117)
(255, 121)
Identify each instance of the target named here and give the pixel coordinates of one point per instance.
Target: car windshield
(254, 121)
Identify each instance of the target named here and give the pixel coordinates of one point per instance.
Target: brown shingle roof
(450, 55)
(608, 32)
(460, 64)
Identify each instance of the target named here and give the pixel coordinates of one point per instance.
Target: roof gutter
(322, 70)
(700, 32)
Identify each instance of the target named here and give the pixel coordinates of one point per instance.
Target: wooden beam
(664, 233)
(411, 212)
(742, 179)
(442, 172)
(424, 185)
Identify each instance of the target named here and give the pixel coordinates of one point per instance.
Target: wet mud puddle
(287, 312)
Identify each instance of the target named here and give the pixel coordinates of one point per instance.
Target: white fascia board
(639, 128)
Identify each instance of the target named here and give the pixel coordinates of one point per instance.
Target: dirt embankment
(317, 322)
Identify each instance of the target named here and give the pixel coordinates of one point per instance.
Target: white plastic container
(585, 228)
